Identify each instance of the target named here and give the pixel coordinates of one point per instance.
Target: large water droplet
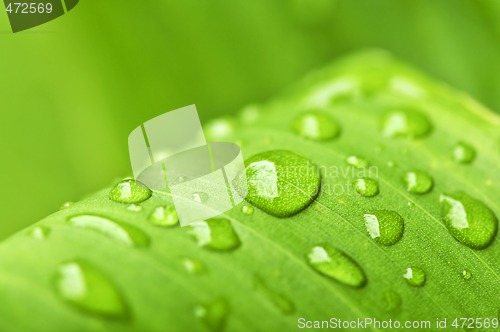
(84, 286)
(366, 187)
(405, 123)
(384, 226)
(193, 266)
(316, 125)
(283, 303)
(463, 153)
(121, 232)
(215, 233)
(213, 314)
(468, 220)
(337, 265)
(418, 182)
(356, 162)
(39, 232)
(164, 216)
(280, 182)
(415, 276)
(129, 191)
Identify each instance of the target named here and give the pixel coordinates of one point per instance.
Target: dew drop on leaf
(463, 153)
(356, 162)
(418, 182)
(134, 207)
(120, 232)
(193, 266)
(66, 205)
(39, 232)
(468, 220)
(415, 276)
(316, 125)
(84, 286)
(384, 226)
(247, 210)
(280, 182)
(337, 265)
(215, 233)
(164, 216)
(366, 187)
(280, 301)
(214, 314)
(219, 129)
(466, 274)
(405, 123)
(199, 197)
(392, 301)
(129, 191)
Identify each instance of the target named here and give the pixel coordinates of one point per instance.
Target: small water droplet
(405, 123)
(199, 197)
(411, 204)
(129, 191)
(466, 274)
(247, 209)
(134, 207)
(415, 276)
(219, 129)
(316, 125)
(121, 232)
(463, 153)
(384, 226)
(283, 303)
(356, 162)
(280, 182)
(366, 187)
(215, 233)
(468, 220)
(164, 216)
(418, 182)
(66, 205)
(39, 232)
(84, 286)
(193, 266)
(250, 114)
(392, 301)
(337, 265)
(214, 314)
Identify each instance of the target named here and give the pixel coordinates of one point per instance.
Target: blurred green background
(73, 89)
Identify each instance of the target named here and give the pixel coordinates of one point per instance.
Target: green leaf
(275, 268)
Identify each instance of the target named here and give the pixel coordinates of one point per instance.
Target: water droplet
(129, 191)
(164, 216)
(411, 204)
(280, 182)
(366, 187)
(283, 303)
(84, 286)
(335, 264)
(466, 274)
(121, 232)
(215, 233)
(415, 276)
(219, 129)
(134, 207)
(418, 182)
(384, 226)
(392, 301)
(468, 220)
(463, 153)
(316, 125)
(356, 162)
(66, 205)
(199, 197)
(405, 123)
(250, 114)
(193, 266)
(247, 209)
(213, 314)
(39, 232)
